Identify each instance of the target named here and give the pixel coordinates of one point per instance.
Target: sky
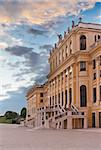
(28, 31)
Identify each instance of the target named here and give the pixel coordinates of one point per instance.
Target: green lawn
(4, 120)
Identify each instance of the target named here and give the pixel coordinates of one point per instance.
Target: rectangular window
(100, 92)
(100, 60)
(94, 76)
(56, 62)
(59, 58)
(94, 95)
(62, 76)
(66, 97)
(50, 101)
(62, 54)
(93, 120)
(41, 94)
(94, 64)
(82, 66)
(95, 38)
(41, 101)
(59, 98)
(55, 99)
(99, 119)
(62, 98)
(100, 73)
(70, 96)
(98, 37)
(66, 51)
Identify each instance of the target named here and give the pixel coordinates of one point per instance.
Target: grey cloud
(18, 50)
(34, 63)
(13, 65)
(37, 32)
(40, 79)
(38, 64)
(48, 47)
(32, 59)
(21, 73)
(20, 79)
(6, 86)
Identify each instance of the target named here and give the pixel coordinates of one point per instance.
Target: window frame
(83, 43)
(83, 96)
(82, 65)
(94, 95)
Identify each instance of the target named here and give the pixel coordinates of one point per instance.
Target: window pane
(94, 95)
(83, 42)
(82, 66)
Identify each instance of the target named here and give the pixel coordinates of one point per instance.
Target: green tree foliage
(23, 113)
(11, 115)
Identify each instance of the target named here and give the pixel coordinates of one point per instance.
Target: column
(69, 120)
(74, 84)
(47, 124)
(64, 87)
(57, 88)
(68, 86)
(97, 119)
(97, 80)
(90, 86)
(60, 89)
(77, 85)
(85, 121)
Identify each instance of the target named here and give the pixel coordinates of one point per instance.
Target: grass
(4, 120)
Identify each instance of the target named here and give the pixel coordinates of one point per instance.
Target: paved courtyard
(13, 137)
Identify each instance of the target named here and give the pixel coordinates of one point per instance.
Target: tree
(11, 115)
(23, 112)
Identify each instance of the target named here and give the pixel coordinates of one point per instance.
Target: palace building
(71, 98)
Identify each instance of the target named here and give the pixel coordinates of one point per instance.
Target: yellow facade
(35, 99)
(73, 91)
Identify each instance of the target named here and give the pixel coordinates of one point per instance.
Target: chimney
(73, 24)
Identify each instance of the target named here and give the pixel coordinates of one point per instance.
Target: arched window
(95, 38)
(98, 37)
(82, 42)
(70, 46)
(83, 96)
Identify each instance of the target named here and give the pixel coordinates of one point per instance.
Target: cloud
(37, 32)
(40, 11)
(3, 97)
(34, 67)
(47, 47)
(97, 17)
(32, 59)
(3, 58)
(6, 86)
(13, 65)
(15, 102)
(18, 50)
(3, 45)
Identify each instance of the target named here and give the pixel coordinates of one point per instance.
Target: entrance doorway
(65, 124)
(99, 119)
(93, 120)
(82, 122)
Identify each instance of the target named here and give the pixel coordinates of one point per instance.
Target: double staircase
(63, 114)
